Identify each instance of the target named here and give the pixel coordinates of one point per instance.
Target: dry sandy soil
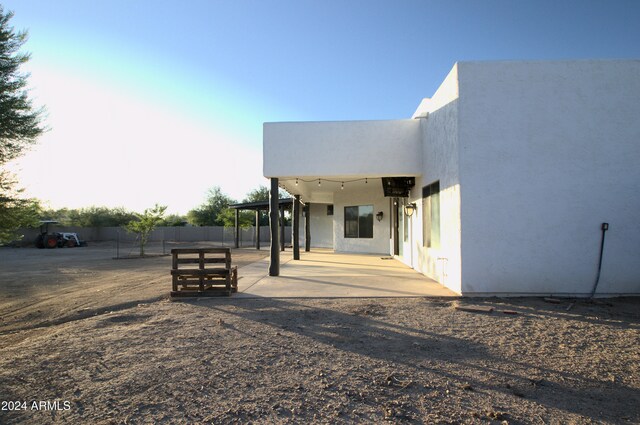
(99, 341)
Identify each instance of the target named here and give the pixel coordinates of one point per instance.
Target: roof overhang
(260, 205)
(342, 149)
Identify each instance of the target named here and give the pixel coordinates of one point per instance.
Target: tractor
(48, 239)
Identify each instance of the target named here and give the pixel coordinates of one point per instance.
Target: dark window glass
(405, 224)
(358, 222)
(431, 215)
(350, 222)
(329, 209)
(365, 222)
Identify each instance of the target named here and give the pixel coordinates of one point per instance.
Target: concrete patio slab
(325, 274)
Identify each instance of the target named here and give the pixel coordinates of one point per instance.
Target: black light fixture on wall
(379, 216)
(409, 209)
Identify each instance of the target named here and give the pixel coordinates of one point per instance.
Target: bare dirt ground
(108, 347)
(42, 287)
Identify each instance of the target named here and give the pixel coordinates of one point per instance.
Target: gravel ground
(332, 361)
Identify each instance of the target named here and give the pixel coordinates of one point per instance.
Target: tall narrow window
(431, 215)
(350, 222)
(405, 224)
(358, 221)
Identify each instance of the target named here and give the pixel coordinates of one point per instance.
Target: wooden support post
(307, 227)
(296, 227)
(257, 229)
(237, 230)
(282, 228)
(274, 263)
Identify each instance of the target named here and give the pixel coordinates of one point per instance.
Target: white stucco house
(509, 170)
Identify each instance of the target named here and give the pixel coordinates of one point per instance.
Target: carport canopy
(257, 207)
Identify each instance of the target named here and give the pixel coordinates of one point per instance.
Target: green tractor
(48, 239)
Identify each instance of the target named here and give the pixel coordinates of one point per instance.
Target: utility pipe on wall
(604, 227)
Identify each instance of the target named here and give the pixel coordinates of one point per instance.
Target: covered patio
(321, 273)
(341, 173)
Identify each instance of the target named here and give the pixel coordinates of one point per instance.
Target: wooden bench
(203, 280)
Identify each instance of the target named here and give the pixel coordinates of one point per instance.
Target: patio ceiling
(319, 189)
(309, 189)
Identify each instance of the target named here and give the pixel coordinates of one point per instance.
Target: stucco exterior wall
(374, 195)
(321, 227)
(549, 151)
(440, 159)
(442, 263)
(344, 148)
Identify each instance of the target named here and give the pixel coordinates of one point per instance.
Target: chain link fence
(162, 239)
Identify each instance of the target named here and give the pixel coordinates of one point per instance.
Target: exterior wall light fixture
(379, 216)
(409, 209)
(342, 186)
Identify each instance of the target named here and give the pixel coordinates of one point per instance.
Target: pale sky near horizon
(157, 101)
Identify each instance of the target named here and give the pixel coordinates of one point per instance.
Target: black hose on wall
(604, 227)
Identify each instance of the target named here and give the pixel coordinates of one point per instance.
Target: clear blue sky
(222, 68)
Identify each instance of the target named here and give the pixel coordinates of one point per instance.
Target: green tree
(104, 217)
(209, 213)
(145, 223)
(257, 195)
(15, 213)
(245, 218)
(91, 216)
(262, 194)
(174, 220)
(20, 126)
(248, 218)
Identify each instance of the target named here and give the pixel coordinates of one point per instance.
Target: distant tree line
(214, 211)
(102, 217)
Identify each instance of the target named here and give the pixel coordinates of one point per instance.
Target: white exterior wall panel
(549, 151)
(442, 263)
(440, 158)
(321, 227)
(379, 244)
(342, 148)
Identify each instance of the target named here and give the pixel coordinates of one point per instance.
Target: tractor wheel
(70, 243)
(51, 242)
